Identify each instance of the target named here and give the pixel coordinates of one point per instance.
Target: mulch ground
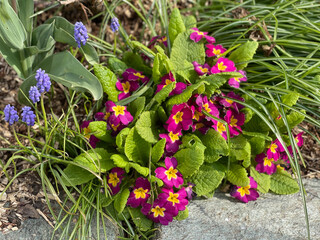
(25, 198)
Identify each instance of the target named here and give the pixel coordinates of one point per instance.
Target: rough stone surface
(270, 217)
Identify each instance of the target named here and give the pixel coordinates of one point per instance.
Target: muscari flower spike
(265, 164)
(170, 175)
(80, 34)
(197, 35)
(114, 179)
(140, 193)
(160, 212)
(10, 114)
(114, 24)
(34, 94)
(28, 116)
(176, 199)
(43, 81)
(247, 193)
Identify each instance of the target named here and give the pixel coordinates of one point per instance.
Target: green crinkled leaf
(144, 48)
(120, 160)
(248, 114)
(121, 199)
(99, 130)
(257, 145)
(176, 24)
(186, 71)
(164, 92)
(240, 148)
(256, 124)
(243, 54)
(158, 150)
(263, 180)
(184, 49)
(146, 127)
(121, 138)
(290, 99)
(238, 175)
(156, 74)
(185, 95)
(293, 118)
(136, 148)
(136, 107)
(108, 81)
(140, 220)
(207, 179)
(92, 158)
(283, 183)
(182, 215)
(136, 62)
(116, 65)
(157, 180)
(190, 21)
(190, 159)
(216, 146)
(144, 171)
(76, 175)
(258, 134)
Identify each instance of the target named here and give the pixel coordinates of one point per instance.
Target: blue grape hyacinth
(34, 94)
(43, 81)
(10, 114)
(28, 116)
(114, 24)
(80, 34)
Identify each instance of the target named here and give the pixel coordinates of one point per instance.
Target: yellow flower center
(168, 81)
(280, 168)
(221, 66)
(267, 161)
(237, 79)
(229, 101)
(200, 33)
(139, 75)
(233, 121)
(244, 190)
(106, 116)
(113, 179)
(118, 110)
(86, 132)
(140, 193)
(273, 147)
(279, 117)
(115, 127)
(173, 137)
(158, 211)
(173, 197)
(206, 107)
(216, 52)
(199, 125)
(126, 87)
(178, 117)
(220, 127)
(197, 115)
(204, 70)
(171, 173)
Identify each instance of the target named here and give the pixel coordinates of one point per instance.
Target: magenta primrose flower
(93, 140)
(172, 141)
(247, 193)
(114, 179)
(170, 175)
(118, 113)
(166, 80)
(230, 103)
(160, 212)
(208, 106)
(223, 65)
(197, 35)
(299, 139)
(274, 150)
(180, 118)
(189, 191)
(235, 82)
(140, 193)
(214, 50)
(127, 87)
(201, 69)
(176, 199)
(133, 75)
(265, 164)
(235, 120)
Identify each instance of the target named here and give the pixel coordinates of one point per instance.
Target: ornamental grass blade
(67, 70)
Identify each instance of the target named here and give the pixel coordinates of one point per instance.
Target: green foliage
(283, 183)
(140, 220)
(263, 180)
(238, 175)
(146, 127)
(121, 138)
(176, 25)
(136, 107)
(108, 81)
(182, 215)
(243, 54)
(158, 150)
(164, 92)
(240, 149)
(116, 65)
(76, 175)
(99, 129)
(135, 61)
(120, 200)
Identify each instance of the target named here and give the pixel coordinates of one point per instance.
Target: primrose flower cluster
(28, 116)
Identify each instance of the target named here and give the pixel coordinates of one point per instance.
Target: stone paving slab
(271, 217)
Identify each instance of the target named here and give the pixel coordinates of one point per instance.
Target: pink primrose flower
(214, 50)
(189, 191)
(126, 87)
(170, 175)
(93, 140)
(176, 199)
(235, 82)
(208, 106)
(201, 69)
(221, 128)
(299, 139)
(172, 141)
(223, 65)
(180, 118)
(235, 120)
(247, 193)
(114, 179)
(133, 75)
(197, 35)
(274, 150)
(265, 164)
(100, 116)
(160, 212)
(118, 114)
(166, 80)
(230, 103)
(140, 193)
